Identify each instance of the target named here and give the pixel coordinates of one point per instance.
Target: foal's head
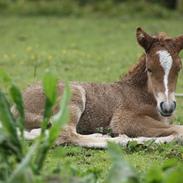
(163, 65)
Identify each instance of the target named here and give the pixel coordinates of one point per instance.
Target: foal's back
(100, 102)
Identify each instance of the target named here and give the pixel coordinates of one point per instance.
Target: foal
(138, 107)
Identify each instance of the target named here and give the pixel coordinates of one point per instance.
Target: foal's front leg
(134, 125)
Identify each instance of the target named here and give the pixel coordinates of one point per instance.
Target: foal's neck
(137, 82)
(137, 77)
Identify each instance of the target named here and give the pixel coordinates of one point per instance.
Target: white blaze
(166, 62)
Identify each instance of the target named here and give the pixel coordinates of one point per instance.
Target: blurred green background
(125, 8)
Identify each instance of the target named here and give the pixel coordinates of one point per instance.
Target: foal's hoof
(179, 139)
(60, 141)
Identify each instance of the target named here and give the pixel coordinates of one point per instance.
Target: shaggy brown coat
(127, 107)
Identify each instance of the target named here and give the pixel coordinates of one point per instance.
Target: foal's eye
(149, 70)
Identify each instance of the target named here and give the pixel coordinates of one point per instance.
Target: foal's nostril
(167, 107)
(161, 105)
(174, 105)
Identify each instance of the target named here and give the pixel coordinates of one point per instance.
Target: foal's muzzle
(167, 108)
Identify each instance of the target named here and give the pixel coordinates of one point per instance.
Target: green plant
(122, 172)
(18, 159)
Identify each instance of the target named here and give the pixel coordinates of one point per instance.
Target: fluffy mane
(137, 76)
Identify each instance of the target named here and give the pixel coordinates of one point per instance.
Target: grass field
(84, 49)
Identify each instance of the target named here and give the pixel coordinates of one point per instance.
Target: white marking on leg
(166, 62)
(100, 141)
(157, 140)
(32, 134)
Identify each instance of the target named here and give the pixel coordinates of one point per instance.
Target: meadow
(87, 49)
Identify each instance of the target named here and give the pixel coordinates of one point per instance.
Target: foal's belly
(97, 114)
(92, 122)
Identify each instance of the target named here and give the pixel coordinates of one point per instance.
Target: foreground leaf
(17, 98)
(62, 116)
(121, 171)
(49, 136)
(25, 163)
(4, 77)
(9, 124)
(50, 90)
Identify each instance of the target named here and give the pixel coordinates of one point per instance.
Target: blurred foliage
(18, 160)
(154, 8)
(180, 5)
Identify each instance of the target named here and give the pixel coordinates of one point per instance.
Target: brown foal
(138, 107)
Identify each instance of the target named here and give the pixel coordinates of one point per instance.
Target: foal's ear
(144, 39)
(179, 43)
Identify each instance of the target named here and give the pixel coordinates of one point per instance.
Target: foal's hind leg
(76, 108)
(69, 134)
(32, 120)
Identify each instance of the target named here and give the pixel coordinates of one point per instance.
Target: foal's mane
(137, 76)
(162, 36)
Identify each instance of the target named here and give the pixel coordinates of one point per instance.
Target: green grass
(84, 49)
